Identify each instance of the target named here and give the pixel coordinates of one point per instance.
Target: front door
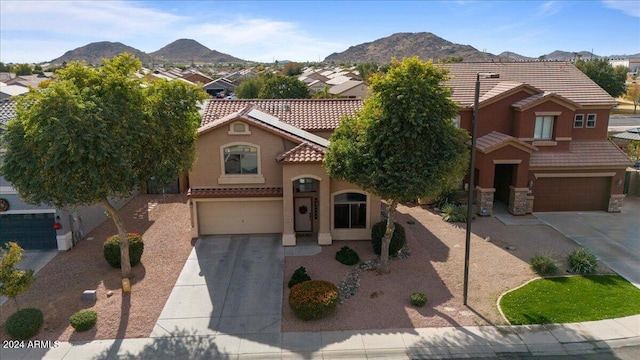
(303, 217)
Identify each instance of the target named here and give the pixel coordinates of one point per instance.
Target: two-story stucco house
(541, 147)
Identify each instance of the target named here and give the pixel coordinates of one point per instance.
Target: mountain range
(400, 45)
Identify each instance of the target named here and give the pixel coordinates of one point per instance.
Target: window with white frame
(240, 159)
(578, 121)
(591, 120)
(350, 211)
(544, 128)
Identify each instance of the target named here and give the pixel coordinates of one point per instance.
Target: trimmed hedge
(83, 320)
(313, 299)
(397, 240)
(24, 324)
(112, 249)
(347, 256)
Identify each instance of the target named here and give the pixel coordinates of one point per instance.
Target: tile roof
(306, 114)
(496, 140)
(562, 78)
(631, 134)
(7, 110)
(503, 87)
(581, 154)
(303, 153)
(252, 114)
(537, 98)
(347, 85)
(235, 192)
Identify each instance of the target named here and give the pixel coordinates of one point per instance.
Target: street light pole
(470, 188)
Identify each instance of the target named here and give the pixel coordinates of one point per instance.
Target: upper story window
(240, 159)
(578, 121)
(350, 211)
(544, 128)
(591, 120)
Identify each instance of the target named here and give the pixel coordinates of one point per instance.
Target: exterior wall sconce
(530, 184)
(619, 183)
(57, 225)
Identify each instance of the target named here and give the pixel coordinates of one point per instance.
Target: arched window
(240, 159)
(350, 211)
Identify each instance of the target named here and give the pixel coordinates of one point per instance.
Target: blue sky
(38, 31)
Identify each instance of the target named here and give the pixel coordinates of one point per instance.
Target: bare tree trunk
(125, 262)
(386, 239)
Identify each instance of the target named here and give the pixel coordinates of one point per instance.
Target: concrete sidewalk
(578, 339)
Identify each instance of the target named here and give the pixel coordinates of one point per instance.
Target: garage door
(572, 194)
(240, 217)
(30, 231)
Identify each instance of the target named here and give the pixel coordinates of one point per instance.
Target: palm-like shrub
(455, 213)
(582, 261)
(543, 265)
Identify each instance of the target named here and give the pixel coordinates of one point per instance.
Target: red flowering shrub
(112, 249)
(313, 299)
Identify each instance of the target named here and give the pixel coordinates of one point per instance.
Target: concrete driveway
(613, 238)
(229, 285)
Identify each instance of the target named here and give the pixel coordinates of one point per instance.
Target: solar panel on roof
(275, 122)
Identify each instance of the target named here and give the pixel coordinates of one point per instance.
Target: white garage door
(240, 217)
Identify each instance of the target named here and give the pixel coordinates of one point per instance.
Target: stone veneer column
(615, 203)
(518, 200)
(484, 201)
(530, 199)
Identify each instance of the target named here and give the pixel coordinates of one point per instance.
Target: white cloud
(34, 32)
(629, 7)
(548, 8)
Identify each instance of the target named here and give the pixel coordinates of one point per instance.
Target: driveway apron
(229, 285)
(613, 237)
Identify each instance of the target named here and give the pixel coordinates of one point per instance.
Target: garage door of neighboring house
(30, 231)
(572, 194)
(240, 217)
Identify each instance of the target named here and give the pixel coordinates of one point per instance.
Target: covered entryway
(572, 194)
(240, 216)
(30, 231)
(504, 177)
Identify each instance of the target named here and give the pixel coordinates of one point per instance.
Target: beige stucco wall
(207, 168)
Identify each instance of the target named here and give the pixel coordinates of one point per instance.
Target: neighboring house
(7, 91)
(197, 77)
(219, 86)
(259, 170)
(32, 226)
(352, 89)
(541, 138)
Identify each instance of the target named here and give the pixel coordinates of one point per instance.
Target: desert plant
(24, 324)
(112, 249)
(300, 275)
(418, 299)
(543, 265)
(13, 281)
(455, 212)
(347, 256)
(83, 320)
(582, 261)
(397, 240)
(313, 299)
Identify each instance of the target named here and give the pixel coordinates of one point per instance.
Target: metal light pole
(470, 188)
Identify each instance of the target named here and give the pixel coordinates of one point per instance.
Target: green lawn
(571, 299)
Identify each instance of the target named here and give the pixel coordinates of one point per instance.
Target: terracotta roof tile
(306, 114)
(581, 154)
(235, 192)
(496, 140)
(303, 153)
(539, 98)
(562, 78)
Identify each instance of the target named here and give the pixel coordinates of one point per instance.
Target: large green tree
(284, 87)
(250, 88)
(605, 75)
(97, 133)
(402, 145)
